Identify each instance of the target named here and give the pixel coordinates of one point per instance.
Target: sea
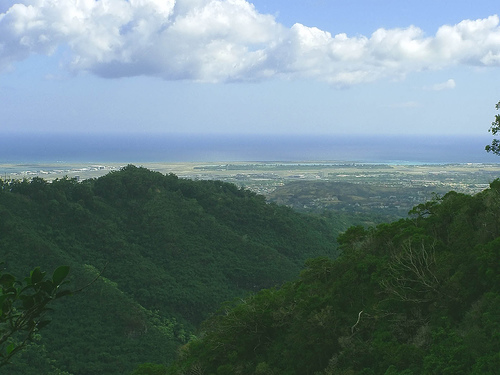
(172, 148)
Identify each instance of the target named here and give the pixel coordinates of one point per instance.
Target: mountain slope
(417, 296)
(172, 251)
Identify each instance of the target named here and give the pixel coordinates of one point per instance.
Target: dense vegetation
(417, 296)
(172, 251)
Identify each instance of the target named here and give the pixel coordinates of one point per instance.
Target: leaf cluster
(494, 129)
(23, 306)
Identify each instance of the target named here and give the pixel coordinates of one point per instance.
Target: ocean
(141, 148)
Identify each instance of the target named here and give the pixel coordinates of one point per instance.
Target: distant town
(310, 186)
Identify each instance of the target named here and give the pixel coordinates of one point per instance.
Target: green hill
(172, 251)
(417, 296)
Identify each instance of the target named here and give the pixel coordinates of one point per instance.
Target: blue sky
(261, 67)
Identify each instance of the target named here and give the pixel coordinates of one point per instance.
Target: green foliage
(352, 238)
(149, 369)
(175, 250)
(417, 296)
(494, 129)
(23, 306)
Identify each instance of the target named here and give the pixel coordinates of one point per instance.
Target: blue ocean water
(136, 148)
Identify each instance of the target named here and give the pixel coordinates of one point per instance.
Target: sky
(240, 67)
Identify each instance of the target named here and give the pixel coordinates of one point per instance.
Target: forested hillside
(417, 296)
(171, 252)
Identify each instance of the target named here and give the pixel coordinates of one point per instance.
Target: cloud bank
(227, 41)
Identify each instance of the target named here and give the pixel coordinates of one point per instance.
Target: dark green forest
(416, 296)
(170, 250)
(202, 277)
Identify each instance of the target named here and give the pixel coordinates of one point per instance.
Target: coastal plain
(308, 185)
(264, 176)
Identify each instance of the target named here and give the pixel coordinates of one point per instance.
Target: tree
(23, 305)
(150, 369)
(411, 273)
(495, 128)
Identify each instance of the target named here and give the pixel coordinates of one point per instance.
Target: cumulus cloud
(228, 40)
(448, 85)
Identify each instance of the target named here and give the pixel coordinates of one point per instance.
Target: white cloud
(448, 85)
(228, 40)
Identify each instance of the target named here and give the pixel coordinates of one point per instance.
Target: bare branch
(411, 275)
(357, 322)
(92, 282)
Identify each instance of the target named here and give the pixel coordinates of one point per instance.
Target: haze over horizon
(239, 67)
